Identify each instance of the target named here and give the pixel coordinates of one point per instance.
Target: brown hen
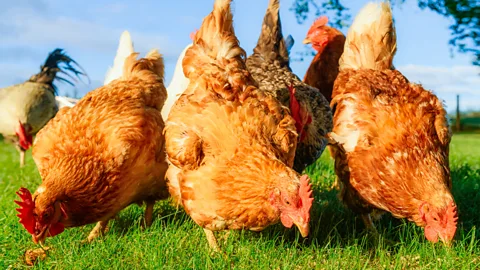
(391, 136)
(269, 66)
(101, 155)
(329, 43)
(231, 146)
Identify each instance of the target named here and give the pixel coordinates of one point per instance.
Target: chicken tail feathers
(215, 47)
(151, 67)
(271, 44)
(371, 40)
(289, 42)
(216, 36)
(59, 62)
(125, 48)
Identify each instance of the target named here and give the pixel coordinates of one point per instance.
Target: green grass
(337, 239)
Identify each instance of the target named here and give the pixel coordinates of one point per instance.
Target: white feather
(177, 86)
(65, 101)
(367, 16)
(125, 48)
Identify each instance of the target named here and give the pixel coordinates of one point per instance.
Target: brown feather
(230, 145)
(108, 150)
(269, 66)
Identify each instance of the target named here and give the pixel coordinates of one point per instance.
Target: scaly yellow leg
(98, 230)
(212, 241)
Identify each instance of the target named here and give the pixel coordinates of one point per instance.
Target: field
(337, 239)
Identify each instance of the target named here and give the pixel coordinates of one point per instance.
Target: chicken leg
(22, 158)
(367, 220)
(148, 214)
(212, 241)
(98, 230)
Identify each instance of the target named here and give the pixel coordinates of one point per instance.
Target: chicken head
(318, 34)
(294, 205)
(23, 134)
(41, 220)
(440, 223)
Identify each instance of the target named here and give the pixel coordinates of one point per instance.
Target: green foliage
(469, 121)
(337, 240)
(465, 29)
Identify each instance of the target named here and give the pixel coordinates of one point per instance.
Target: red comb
(301, 116)
(321, 21)
(192, 35)
(26, 209)
(452, 219)
(305, 193)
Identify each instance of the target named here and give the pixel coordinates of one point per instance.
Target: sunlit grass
(337, 239)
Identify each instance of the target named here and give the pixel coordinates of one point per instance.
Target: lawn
(337, 239)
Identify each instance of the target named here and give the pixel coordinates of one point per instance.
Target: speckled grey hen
(26, 107)
(269, 66)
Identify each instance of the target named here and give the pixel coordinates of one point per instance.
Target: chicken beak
(307, 41)
(445, 242)
(40, 238)
(302, 226)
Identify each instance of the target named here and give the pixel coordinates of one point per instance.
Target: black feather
(271, 44)
(59, 62)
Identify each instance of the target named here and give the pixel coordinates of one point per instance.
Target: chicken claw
(97, 231)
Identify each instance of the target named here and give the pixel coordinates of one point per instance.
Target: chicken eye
(286, 201)
(46, 215)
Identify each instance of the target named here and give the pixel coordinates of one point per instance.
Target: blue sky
(89, 32)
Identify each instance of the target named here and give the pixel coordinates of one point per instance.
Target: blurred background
(438, 41)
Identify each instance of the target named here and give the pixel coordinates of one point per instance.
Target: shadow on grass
(335, 226)
(132, 217)
(466, 191)
(332, 225)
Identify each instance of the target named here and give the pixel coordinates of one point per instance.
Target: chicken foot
(212, 241)
(98, 230)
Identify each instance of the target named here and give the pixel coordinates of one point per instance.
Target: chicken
(178, 84)
(125, 49)
(65, 101)
(391, 137)
(25, 108)
(232, 146)
(101, 155)
(289, 42)
(329, 43)
(269, 66)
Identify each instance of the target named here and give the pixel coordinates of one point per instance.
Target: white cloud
(30, 27)
(447, 82)
(28, 32)
(455, 79)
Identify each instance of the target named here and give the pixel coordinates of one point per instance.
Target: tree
(465, 30)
